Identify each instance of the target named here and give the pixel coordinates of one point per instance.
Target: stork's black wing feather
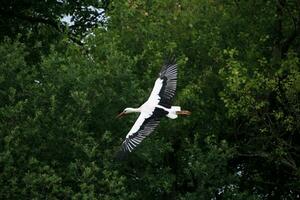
(145, 128)
(168, 74)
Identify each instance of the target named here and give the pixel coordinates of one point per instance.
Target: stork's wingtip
(170, 59)
(121, 155)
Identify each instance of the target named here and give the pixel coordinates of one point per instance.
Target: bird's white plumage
(145, 113)
(157, 105)
(154, 96)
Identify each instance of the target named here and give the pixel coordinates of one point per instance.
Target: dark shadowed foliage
(61, 87)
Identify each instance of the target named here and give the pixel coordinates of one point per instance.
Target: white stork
(157, 106)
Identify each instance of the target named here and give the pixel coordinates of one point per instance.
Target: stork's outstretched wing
(144, 125)
(165, 85)
(162, 94)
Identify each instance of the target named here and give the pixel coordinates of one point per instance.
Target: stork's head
(127, 111)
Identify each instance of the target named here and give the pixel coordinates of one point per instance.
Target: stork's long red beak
(120, 115)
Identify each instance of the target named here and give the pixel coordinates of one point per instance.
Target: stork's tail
(176, 110)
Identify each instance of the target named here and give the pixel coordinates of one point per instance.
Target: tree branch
(43, 20)
(31, 19)
(288, 41)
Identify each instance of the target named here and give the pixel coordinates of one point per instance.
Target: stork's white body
(154, 99)
(157, 106)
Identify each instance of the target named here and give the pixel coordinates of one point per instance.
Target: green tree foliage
(23, 16)
(238, 74)
(41, 23)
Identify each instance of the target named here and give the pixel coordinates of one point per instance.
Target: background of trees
(61, 86)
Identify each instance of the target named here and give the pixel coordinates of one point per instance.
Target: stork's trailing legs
(183, 112)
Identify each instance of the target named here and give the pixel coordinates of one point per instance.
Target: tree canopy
(62, 84)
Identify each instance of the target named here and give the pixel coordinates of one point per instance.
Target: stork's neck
(132, 110)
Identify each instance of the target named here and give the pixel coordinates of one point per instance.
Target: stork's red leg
(183, 112)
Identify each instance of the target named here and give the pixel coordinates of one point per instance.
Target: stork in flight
(157, 106)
